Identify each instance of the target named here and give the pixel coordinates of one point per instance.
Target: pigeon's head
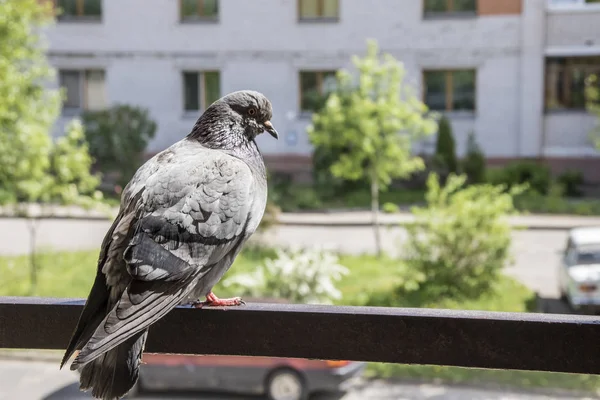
(252, 110)
(234, 121)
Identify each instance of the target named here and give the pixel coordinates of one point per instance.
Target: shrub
(390, 208)
(474, 163)
(571, 181)
(459, 242)
(536, 175)
(117, 138)
(299, 275)
(445, 149)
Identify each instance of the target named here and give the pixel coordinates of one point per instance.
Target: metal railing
(544, 342)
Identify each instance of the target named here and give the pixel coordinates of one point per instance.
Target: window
(84, 90)
(79, 9)
(199, 10)
(450, 90)
(314, 86)
(200, 89)
(443, 8)
(318, 10)
(566, 79)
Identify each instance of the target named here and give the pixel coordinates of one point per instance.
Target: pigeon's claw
(214, 301)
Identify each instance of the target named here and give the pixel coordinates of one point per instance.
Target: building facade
(511, 71)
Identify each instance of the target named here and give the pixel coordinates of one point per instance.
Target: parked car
(277, 378)
(579, 271)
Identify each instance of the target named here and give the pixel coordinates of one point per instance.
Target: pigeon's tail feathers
(113, 374)
(93, 313)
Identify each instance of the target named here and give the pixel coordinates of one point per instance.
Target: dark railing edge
(496, 340)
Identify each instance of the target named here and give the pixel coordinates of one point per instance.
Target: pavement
(324, 218)
(39, 380)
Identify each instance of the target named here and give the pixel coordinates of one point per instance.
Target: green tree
(371, 120)
(592, 91)
(474, 163)
(118, 137)
(459, 243)
(27, 109)
(32, 168)
(445, 148)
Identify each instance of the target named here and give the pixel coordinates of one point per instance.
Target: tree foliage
(445, 148)
(473, 164)
(32, 167)
(118, 137)
(27, 109)
(459, 243)
(371, 120)
(69, 180)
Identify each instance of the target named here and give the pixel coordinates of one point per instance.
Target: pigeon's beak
(269, 128)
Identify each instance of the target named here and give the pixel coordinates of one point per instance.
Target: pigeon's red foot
(214, 301)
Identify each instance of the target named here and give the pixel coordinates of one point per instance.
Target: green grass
(71, 275)
(503, 378)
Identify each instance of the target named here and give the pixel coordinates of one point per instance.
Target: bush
(536, 175)
(118, 137)
(459, 243)
(571, 181)
(445, 148)
(474, 163)
(299, 275)
(326, 184)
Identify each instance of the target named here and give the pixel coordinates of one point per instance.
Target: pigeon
(183, 219)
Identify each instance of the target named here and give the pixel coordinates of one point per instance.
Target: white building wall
(260, 44)
(571, 31)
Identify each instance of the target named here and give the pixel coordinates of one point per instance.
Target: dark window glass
(314, 86)
(71, 82)
(463, 86)
(191, 90)
(435, 89)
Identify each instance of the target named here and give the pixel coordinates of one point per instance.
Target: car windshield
(588, 255)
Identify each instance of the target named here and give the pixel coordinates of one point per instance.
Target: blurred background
(432, 153)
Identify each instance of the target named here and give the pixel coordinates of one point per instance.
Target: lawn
(71, 275)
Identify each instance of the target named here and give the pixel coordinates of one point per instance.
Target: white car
(579, 271)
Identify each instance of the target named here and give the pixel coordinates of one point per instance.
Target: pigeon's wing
(192, 213)
(111, 275)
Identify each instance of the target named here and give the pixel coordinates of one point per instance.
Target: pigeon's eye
(252, 111)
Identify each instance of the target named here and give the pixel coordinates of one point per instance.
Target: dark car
(277, 378)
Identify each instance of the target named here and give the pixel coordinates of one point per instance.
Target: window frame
(565, 75)
(450, 14)
(449, 89)
(321, 18)
(80, 17)
(202, 101)
(83, 93)
(199, 18)
(320, 78)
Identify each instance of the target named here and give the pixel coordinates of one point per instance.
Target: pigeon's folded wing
(191, 214)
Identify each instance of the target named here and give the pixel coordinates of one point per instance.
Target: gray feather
(184, 217)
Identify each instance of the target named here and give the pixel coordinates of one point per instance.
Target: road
(535, 251)
(28, 380)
